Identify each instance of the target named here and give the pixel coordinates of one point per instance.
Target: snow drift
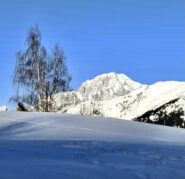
(48, 145)
(38, 126)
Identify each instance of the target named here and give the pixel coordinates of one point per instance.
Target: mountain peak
(116, 95)
(107, 86)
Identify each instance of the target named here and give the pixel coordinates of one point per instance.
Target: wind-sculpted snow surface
(48, 145)
(115, 95)
(90, 159)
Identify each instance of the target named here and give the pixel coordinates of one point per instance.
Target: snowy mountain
(116, 95)
(3, 108)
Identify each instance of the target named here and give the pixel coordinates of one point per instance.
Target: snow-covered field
(48, 145)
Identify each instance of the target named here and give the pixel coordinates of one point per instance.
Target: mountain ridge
(116, 95)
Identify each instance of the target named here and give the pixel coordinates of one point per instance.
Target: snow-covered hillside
(115, 95)
(47, 145)
(30, 125)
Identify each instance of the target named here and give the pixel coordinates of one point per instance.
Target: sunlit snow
(48, 145)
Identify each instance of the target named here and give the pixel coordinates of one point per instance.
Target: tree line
(161, 115)
(38, 75)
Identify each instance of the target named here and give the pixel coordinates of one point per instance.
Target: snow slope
(115, 95)
(48, 145)
(39, 126)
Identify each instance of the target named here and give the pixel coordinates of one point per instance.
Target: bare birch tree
(38, 77)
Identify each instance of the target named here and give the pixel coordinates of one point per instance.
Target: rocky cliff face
(116, 95)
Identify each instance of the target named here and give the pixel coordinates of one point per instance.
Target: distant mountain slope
(116, 95)
(171, 114)
(102, 88)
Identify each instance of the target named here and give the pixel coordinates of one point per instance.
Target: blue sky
(144, 39)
